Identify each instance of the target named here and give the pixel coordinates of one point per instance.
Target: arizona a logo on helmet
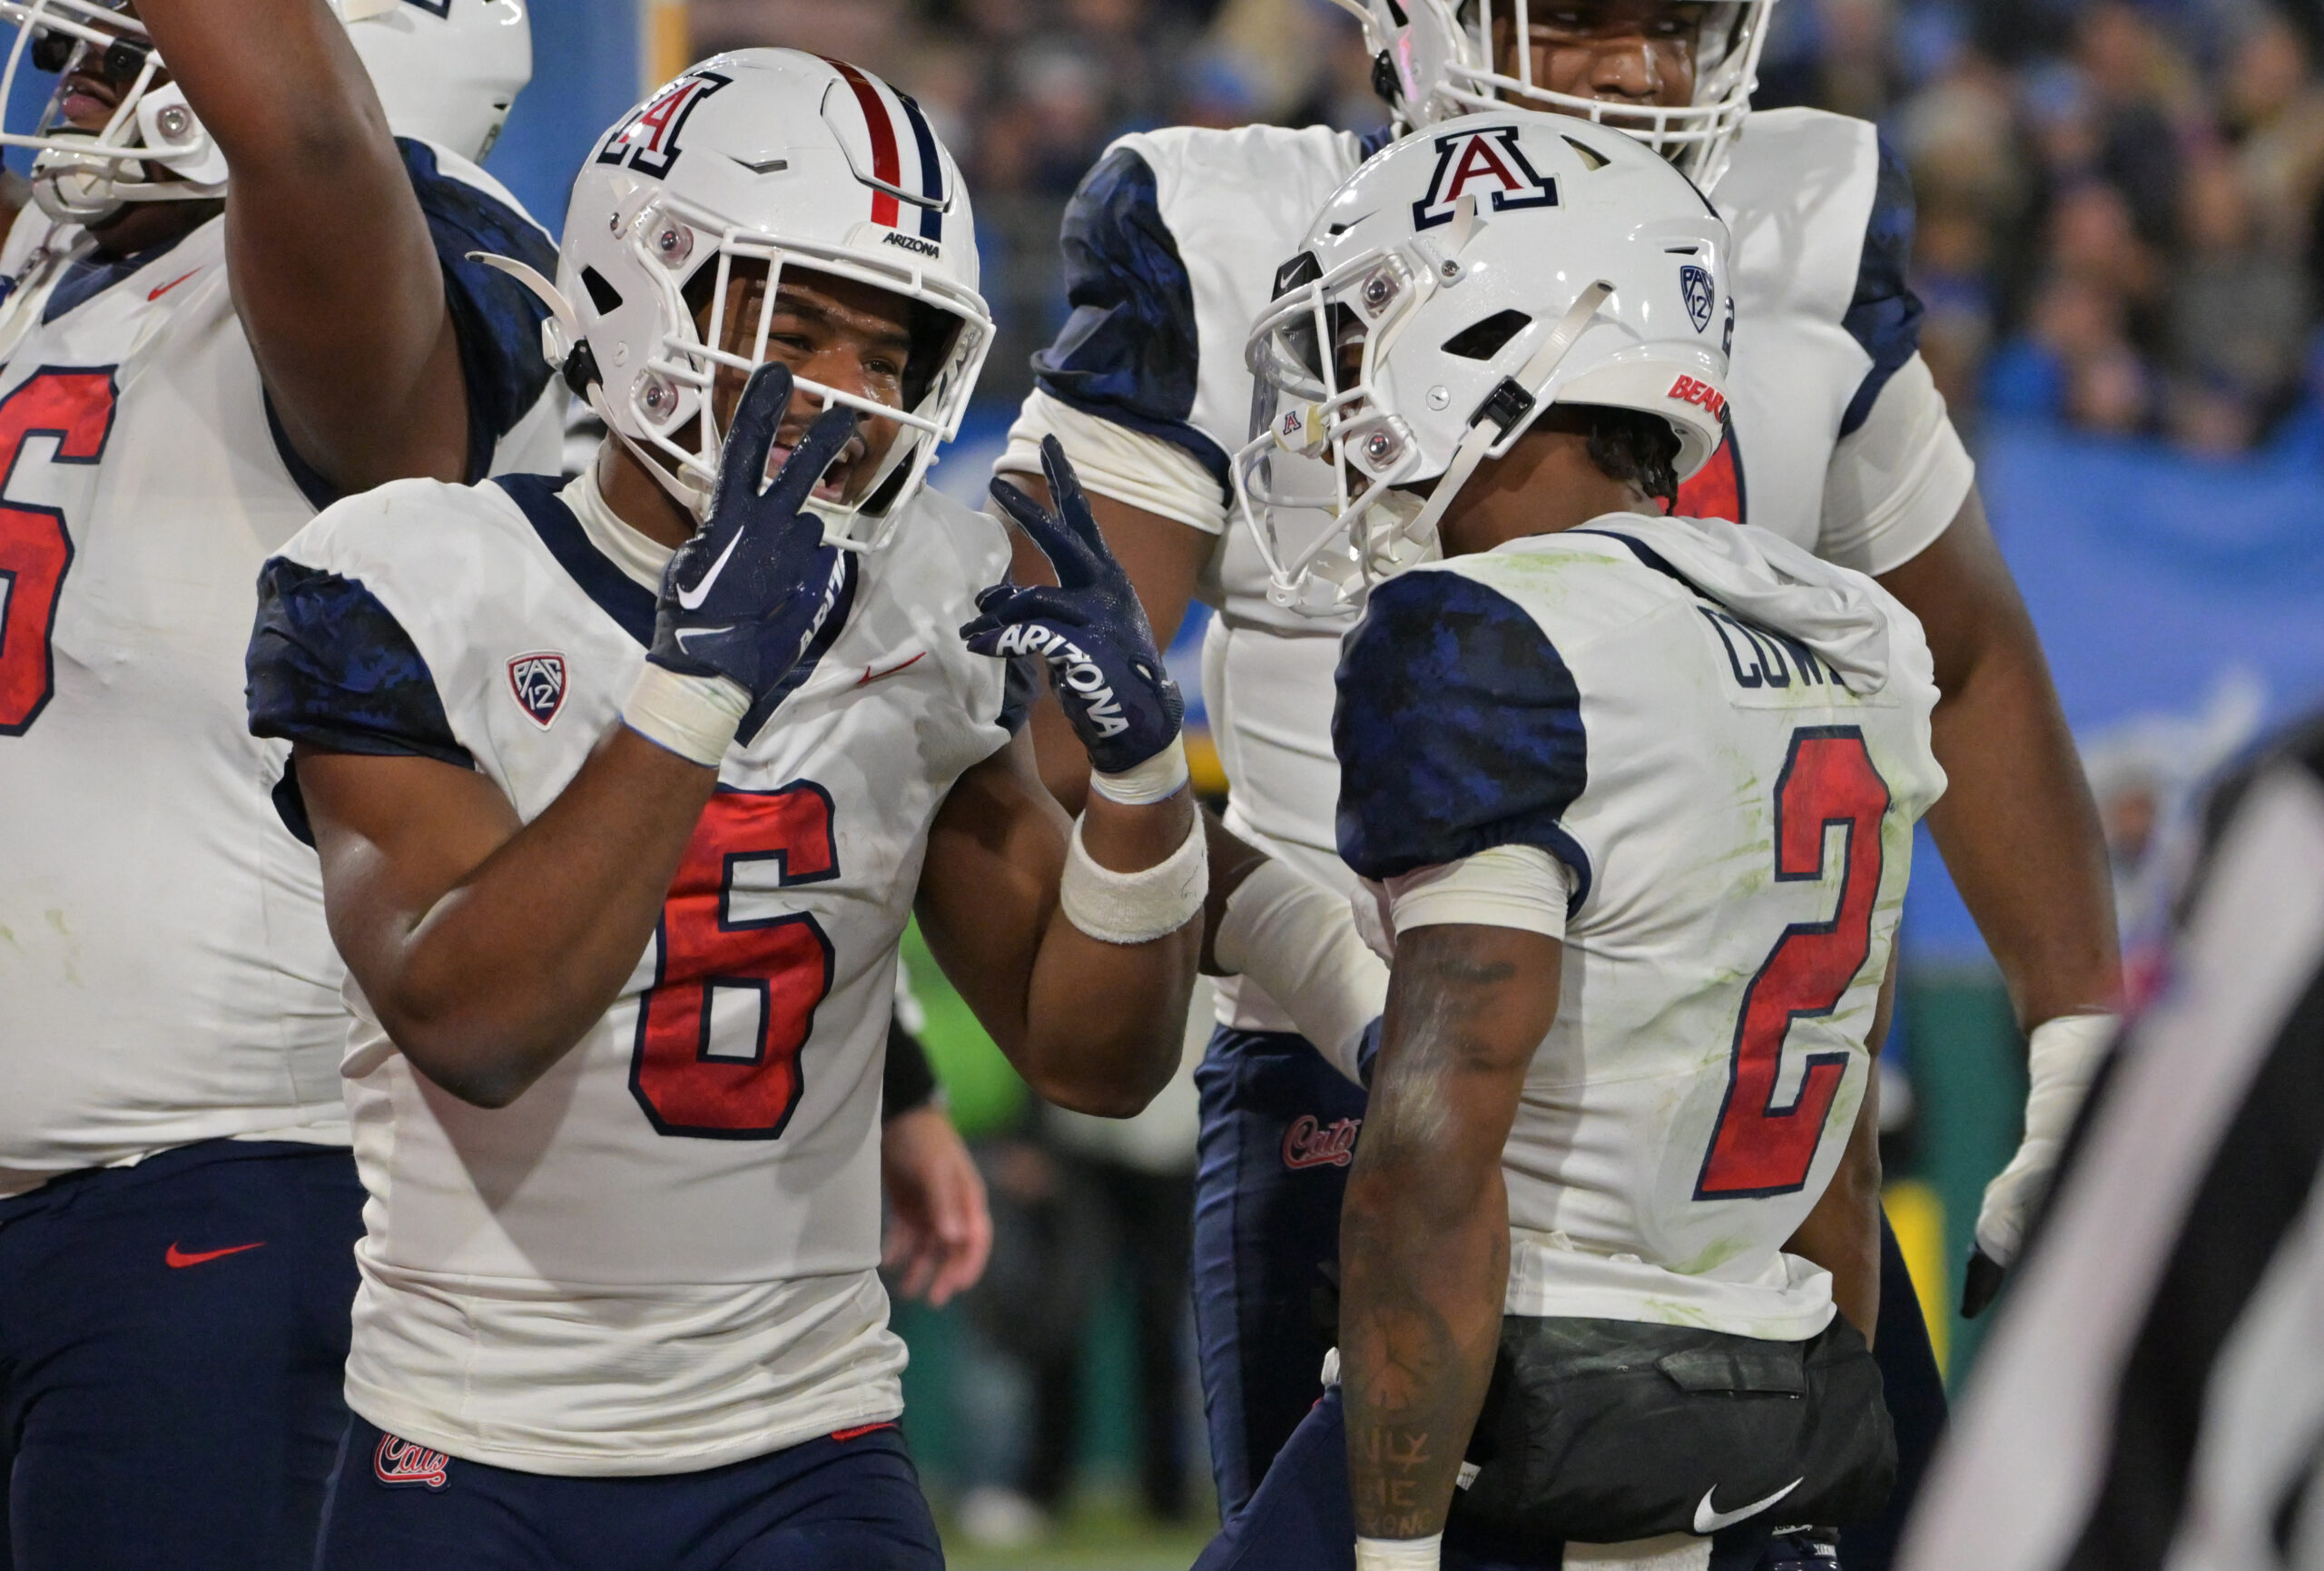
(649, 142)
(1486, 161)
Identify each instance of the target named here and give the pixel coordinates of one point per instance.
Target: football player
(625, 789)
(240, 289)
(1634, 795)
(1836, 434)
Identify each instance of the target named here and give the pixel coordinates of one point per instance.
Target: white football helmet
(446, 70)
(1439, 58)
(1465, 279)
(779, 158)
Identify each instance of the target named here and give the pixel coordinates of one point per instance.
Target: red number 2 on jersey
(1758, 1148)
(781, 966)
(75, 407)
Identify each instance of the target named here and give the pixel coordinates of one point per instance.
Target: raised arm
(334, 272)
(1424, 1228)
(1075, 942)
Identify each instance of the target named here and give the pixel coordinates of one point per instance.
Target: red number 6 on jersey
(75, 406)
(1758, 1148)
(781, 966)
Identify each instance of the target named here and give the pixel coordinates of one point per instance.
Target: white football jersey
(1734, 811)
(662, 1256)
(1837, 437)
(162, 954)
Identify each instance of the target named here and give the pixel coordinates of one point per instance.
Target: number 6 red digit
(75, 406)
(1758, 1148)
(780, 965)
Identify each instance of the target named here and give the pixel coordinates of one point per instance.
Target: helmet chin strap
(1509, 403)
(565, 322)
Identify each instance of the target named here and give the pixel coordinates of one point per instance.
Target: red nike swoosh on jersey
(870, 676)
(173, 283)
(178, 1259)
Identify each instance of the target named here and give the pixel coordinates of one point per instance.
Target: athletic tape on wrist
(694, 717)
(1134, 907)
(1299, 942)
(1143, 785)
(1400, 1554)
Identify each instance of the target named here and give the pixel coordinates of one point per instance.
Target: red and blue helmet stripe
(899, 130)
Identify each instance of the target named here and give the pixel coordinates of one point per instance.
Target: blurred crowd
(2117, 200)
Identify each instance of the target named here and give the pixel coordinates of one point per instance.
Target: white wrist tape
(1134, 907)
(2062, 1056)
(1143, 785)
(694, 717)
(1298, 941)
(1400, 1554)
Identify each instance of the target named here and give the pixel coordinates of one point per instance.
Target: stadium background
(2120, 261)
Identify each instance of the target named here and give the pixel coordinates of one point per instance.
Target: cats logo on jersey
(538, 682)
(649, 142)
(1470, 161)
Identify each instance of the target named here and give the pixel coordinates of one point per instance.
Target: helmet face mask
(1463, 280)
(151, 148)
(754, 165)
(447, 73)
(1447, 56)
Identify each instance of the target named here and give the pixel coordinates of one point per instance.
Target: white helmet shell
(781, 159)
(446, 70)
(1441, 55)
(1475, 272)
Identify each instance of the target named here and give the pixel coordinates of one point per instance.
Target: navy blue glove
(1090, 628)
(745, 596)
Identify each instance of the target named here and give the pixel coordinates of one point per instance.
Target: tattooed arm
(1425, 1234)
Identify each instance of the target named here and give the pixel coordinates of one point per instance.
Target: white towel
(1848, 620)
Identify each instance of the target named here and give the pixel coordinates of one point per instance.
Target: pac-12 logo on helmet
(1486, 160)
(648, 142)
(1695, 283)
(538, 682)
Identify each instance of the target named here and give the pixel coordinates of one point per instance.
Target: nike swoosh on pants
(1707, 1521)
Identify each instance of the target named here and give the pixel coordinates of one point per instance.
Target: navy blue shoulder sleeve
(1884, 315)
(497, 319)
(1128, 352)
(331, 667)
(1458, 728)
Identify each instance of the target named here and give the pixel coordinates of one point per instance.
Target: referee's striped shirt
(2153, 1394)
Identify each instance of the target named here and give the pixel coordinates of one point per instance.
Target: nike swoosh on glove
(1108, 676)
(744, 597)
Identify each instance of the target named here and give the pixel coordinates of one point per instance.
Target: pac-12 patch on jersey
(538, 682)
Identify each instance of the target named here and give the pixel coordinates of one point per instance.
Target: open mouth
(89, 100)
(837, 474)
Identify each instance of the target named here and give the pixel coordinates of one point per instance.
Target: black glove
(1090, 628)
(745, 596)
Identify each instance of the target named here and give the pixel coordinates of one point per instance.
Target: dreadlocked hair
(1627, 445)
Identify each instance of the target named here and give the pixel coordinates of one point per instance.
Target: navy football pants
(846, 1502)
(172, 1345)
(1301, 1520)
(1267, 1192)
